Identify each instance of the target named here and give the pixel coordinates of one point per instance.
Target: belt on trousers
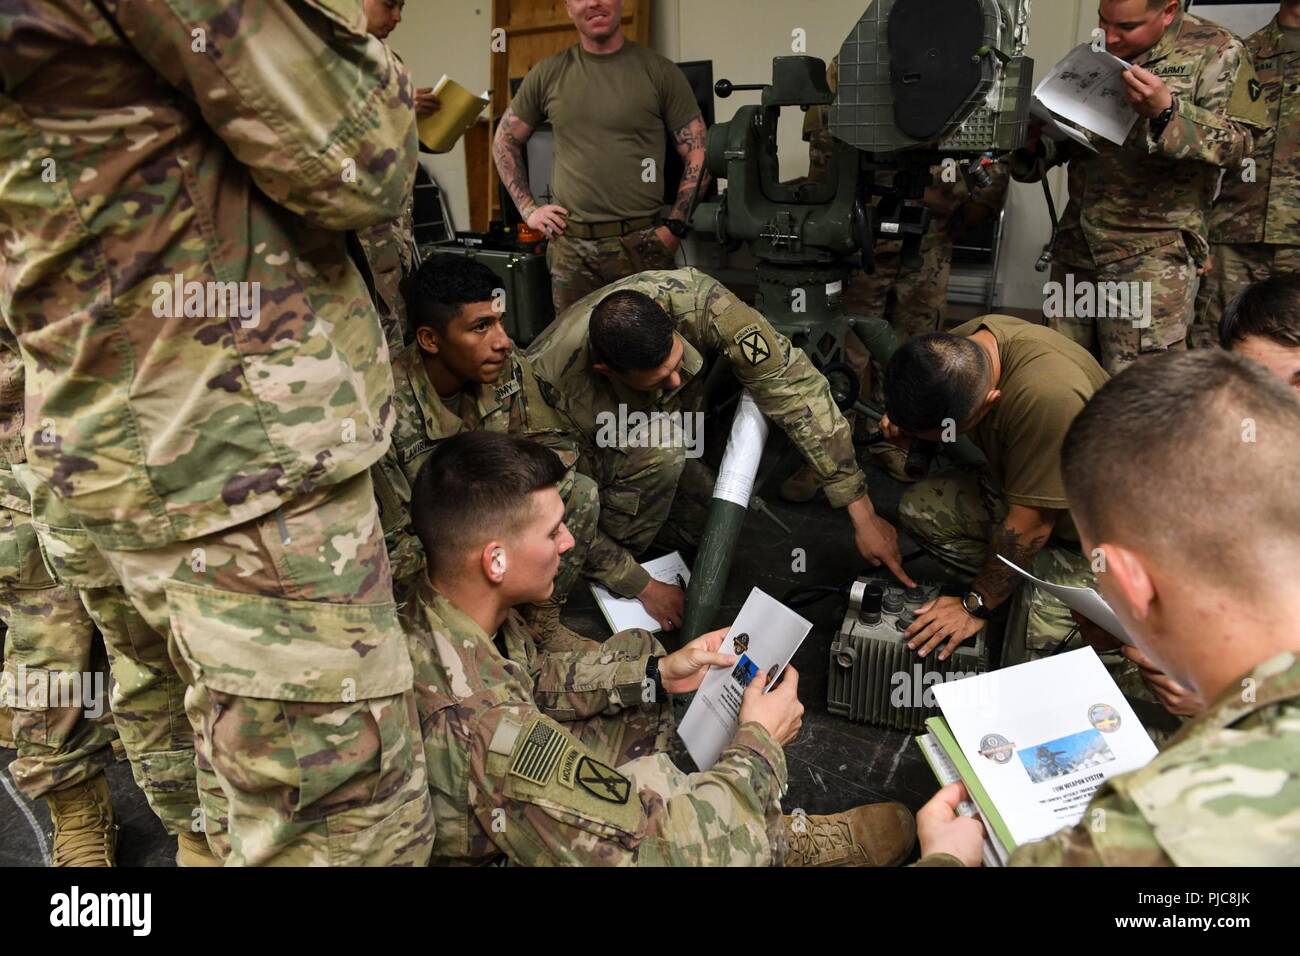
(608, 230)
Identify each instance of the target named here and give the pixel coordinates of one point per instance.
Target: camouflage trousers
(55, 680)
(952, 515)
(1235, 267)
(299, 682)
(912, 300)
(1118, 332)
(647, 496)
(581, 266)
(148, 698)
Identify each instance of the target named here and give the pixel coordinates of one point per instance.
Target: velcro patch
(503, 740)
(538, 752)
(569, 768)
(754, 345)
(602, 782)
(507, 389)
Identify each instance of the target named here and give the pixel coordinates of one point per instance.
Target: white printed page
(626, 613)
(1043, 736)
(764, 637)
(1087, 89)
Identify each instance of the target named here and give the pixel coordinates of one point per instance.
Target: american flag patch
(536, 757)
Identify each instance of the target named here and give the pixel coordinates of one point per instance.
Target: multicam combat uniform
(559, 759)
(1255, 225)
(514, 405)
(217, 459)
(389, 251)
(50, 646)
(1137, 212)
(647, 490)
(1224, 792)
(59, 590)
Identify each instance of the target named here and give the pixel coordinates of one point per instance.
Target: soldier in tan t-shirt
(1014, 388)
(612, 104)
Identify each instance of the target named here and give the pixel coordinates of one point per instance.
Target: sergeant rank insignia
(603, 782)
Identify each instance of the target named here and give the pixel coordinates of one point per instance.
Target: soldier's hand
(682, 671)
(940, 620)
(550, 220)
(941, 829)
(1099, 640)
(877, 539)
(894, 435)
(1147, 93)
(425, 102)
(1175, 698)
(780, 711)
(665, 603)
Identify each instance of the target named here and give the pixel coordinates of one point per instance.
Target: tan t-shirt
(611, 114)
(1046, 381)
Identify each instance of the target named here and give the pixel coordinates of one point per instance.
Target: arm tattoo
(508, 151)
(996, 581)
(690, 140)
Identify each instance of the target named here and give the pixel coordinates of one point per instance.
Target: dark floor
(834, 764)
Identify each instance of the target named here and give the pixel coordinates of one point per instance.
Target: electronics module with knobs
(873, 677)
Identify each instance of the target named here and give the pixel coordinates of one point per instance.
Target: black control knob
(872, 598)
(893, 602)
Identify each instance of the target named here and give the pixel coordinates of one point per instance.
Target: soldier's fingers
(954, 642)
(895, 564)
(713, 640)
(789, 682)
(714, 660)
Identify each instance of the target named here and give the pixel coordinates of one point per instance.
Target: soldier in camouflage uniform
(560, 758)
(209, 411)
(465, 374)
(1137, 212)
(654, 490)
(53, 608)
(1255, 224)
(1226, 790)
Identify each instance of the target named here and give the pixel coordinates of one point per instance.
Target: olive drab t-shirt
(1046, 380)
(612, 114)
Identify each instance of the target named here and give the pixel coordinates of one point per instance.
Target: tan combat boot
(892, 460)
(801, 487)
(192, 850)
(544, 621)
(880, 834)
(85, 831)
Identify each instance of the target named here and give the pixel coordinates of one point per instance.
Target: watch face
(972, 602)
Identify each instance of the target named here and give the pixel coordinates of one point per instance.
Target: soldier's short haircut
(630, 332)
(1269, 309)
(474, 487)
(443, 286)
(1190, 457)
(933, 378)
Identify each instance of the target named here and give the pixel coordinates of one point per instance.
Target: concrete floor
(833, 765)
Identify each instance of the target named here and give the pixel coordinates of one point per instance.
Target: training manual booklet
(623, 614)
(457, 111)
(764, 637)
(1085, 89)
(1033, 743)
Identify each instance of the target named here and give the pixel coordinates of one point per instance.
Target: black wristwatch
(652, 673)
(975, 605)
(1160, 122)
(678, 228)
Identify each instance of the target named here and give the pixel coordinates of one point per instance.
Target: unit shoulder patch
(754, 345)
(604, 783)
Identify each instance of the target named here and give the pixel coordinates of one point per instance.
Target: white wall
(451, 37)
(742, 37)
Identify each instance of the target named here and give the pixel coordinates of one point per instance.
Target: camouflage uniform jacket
(713, 324)
(1127, 200)
(1267, 209)
(389, 250)
(165, 162)
(508, 781)
(1224, 792)
(12, 493)
(512, 405)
